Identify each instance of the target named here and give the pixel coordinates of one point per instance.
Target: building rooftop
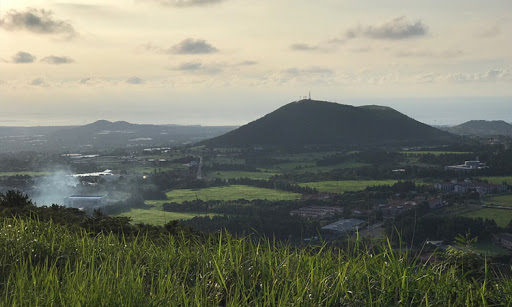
(87, 196)
(344, 225)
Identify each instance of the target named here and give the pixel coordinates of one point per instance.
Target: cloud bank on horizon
(205, 50)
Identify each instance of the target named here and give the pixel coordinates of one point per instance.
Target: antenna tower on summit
(309, 95)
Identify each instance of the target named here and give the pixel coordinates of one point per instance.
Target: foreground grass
(48, 265)
(346, 185)
(232, 192)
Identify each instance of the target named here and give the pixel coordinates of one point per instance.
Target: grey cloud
(303, 47)
(134, 80)
(36, 21)
(190, 66)
(247, 63)
(492, 75)
(38, 82)
(186, 3)
(23, 57)
(86, 80)
(57, 60)
(430, 54)
(396, 29)
(192, 46)
(309, 71)
(198, 67)
(490, 32)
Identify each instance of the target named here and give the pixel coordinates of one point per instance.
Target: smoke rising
(53, 188)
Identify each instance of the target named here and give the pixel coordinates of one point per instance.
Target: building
(467, 166)
(343, 226)
(444, 186)
(504, 239)
(467, 185)
(85, 201)
(316, 212)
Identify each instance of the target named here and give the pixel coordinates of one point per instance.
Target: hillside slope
(482, 128)
(310, 122)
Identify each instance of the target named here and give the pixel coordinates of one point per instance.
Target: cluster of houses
(394, 207)
(317, 212)
(467, 166)
(468, 186)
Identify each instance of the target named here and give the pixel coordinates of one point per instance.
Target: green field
(498, 179)
(311, 167)
(436, 153)
(309, 156)
(156, 216)
(225, 160)
(233, 192)
(33, 174)
(501, 200)
(151, 169)
(346, 185)
(501, 216)
(240, 174)
(489, 248)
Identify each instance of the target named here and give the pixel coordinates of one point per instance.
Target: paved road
(199, 168)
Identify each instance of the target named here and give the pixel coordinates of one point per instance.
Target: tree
(14, 199)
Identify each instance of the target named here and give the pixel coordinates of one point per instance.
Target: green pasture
(240, 174)
(232, 192)
(225, 160)
(304, 157)
(32, 174)
(498, 179)
(345, 185)
(489, 248)
(157, 216)
(159, 168)
(310, 167)
(501, 216)
(500, 200)
(436, 153)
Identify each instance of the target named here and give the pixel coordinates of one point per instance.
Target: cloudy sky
(226, 62)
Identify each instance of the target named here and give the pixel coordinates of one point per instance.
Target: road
(199, 168)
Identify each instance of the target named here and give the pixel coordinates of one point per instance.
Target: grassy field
(500, 200)
(489, 248)
(33, 174)
(51, 265)
(310, 167)
(151, 169)
(345, 185)
(232, 192)
(501, 216)
(156, 216)
(240, 174)
(225, 160)
(498, 179)
(304, 157)
(436, 153)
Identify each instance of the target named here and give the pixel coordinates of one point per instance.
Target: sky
(228, 62)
